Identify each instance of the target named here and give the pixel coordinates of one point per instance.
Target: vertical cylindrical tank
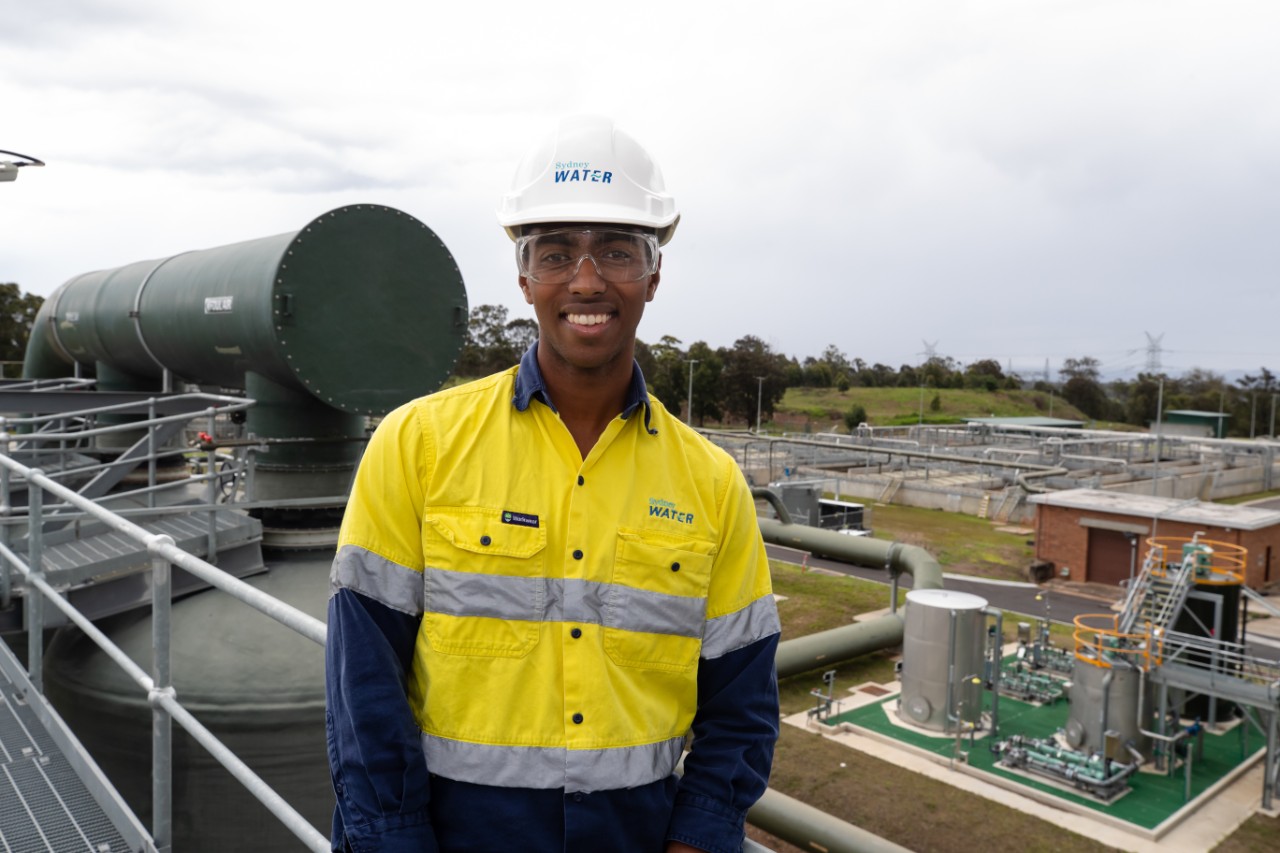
(942, 655)
(255, 684)
(1214, 613)
(1106, 698)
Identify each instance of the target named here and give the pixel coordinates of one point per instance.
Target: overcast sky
(1014, 180)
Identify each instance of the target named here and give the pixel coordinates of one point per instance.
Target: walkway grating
(47, 805)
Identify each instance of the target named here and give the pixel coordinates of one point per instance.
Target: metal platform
(53, 798)
(104, 572)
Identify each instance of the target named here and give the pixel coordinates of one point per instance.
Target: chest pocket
(483, 585)
(657, 601)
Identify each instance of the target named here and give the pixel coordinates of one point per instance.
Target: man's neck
(587, 400)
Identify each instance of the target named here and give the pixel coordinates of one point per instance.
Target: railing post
(212, 491)
(6, 512)
(33, 599)
(161, 721)
(151, 452)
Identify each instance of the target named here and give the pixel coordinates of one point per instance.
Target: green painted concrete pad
(1153, 798)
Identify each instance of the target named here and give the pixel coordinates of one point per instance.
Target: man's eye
(553, 258)
(619, 255)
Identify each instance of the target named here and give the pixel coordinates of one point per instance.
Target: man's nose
(586, 276)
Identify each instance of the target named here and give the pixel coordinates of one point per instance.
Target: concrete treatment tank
(1107, 698)
(943, 650)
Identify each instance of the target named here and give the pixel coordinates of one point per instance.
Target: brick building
(1100, 536)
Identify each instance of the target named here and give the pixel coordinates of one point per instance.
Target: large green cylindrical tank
(254, 683)
(363, 291)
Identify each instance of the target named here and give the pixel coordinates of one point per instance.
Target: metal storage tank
(1106, 699)
(254, 683)
(941, 656)
(1214, 614)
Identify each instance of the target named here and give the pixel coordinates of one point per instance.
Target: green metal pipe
(840, 644)
(362, 309)
(812, 829)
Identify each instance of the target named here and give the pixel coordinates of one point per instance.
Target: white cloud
(1013, 179)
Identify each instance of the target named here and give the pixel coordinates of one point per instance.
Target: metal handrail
(160, 692)
(1109, 642)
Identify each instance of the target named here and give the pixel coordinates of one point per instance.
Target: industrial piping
(840, 644)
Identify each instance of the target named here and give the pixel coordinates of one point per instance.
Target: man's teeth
(587, 319)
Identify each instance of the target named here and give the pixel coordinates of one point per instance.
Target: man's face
(587, 323)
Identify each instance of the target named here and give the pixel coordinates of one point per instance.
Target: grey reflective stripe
(471, 594)
(359, 569)
(557, 600)
(638, 610)
(550, 767)
(739, 629)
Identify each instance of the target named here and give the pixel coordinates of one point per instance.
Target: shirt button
(577, 798)
(580, 480)
(577, 718)
(485, 540)
(576, 633)
(675, 567)
(577, 555)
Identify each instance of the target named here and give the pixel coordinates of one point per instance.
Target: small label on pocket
(523, 519)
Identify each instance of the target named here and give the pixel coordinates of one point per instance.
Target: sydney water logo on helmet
(580, 170)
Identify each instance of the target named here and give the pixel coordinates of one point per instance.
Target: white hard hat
(589, 171)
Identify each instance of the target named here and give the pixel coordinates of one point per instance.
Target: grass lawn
(963, 544)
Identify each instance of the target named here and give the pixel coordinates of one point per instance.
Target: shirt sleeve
(379, 772)
(736, 724)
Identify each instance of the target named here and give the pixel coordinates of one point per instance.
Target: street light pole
(759, 395)
(688, 418)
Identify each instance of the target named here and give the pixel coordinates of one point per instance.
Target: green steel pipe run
(361, 310)
(839, 644)
(812, 829)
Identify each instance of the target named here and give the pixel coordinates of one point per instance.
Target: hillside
(824, 408)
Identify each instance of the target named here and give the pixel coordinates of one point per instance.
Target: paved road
(1064, 606)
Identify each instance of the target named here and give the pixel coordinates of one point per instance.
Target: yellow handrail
(1108, 642)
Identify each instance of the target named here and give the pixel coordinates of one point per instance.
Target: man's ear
(524, 288)
(653, 281)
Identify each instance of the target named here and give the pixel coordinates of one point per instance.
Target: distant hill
(824, 409)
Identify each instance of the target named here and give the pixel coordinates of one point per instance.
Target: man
(544, 581)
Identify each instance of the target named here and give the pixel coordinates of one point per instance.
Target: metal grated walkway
(102, 571)
(50, 801)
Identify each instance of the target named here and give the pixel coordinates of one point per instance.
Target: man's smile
(587, 319)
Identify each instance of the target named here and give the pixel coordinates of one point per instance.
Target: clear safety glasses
(554, 257)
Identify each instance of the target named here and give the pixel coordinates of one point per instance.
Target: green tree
(1082, 388)
(708, 389)
(985, 373)
(1144, 396)
(17, 313)
(493, 342)
(749, 359)
(856, 416)
(668, 377)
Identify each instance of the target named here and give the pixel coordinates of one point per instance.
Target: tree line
(729, 382)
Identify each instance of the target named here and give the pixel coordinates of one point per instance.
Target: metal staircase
(1158, 593)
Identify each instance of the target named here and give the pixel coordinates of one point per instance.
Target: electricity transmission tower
(1153, 351)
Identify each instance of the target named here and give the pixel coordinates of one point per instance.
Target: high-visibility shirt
(570, 608)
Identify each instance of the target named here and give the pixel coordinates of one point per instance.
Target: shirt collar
(531, 386)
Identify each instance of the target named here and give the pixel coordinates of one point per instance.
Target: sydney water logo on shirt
(580, 170)
(659, 508)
